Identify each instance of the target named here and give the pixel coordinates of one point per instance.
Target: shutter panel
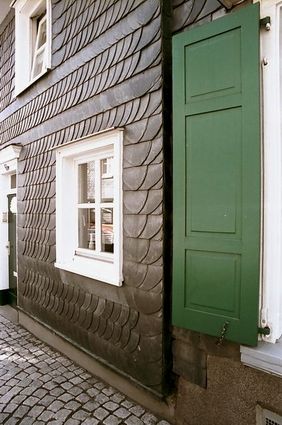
(216, 180)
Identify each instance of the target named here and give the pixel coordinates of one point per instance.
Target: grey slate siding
(191, 12)
(7, 60)
(106, 72)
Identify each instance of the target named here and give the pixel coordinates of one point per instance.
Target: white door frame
(8, 166)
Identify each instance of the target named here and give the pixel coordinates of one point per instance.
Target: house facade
(140, 187)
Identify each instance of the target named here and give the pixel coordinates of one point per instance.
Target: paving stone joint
(41, 386)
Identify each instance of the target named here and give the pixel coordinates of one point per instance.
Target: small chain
(222, 334)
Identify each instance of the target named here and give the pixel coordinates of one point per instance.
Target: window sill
(266, 357)
(20, 90)
(85, 267)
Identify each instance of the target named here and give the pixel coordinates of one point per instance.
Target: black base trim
(4, 296)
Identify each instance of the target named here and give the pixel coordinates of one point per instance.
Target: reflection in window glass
(38, 64)
(107, 167)
(42, 33)
(96, 194)
(107, 242)
(86, 182)
(107, 180)
(13, 184)
(86, 228)
(39, 51)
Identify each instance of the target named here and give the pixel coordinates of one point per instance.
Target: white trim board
(266, 357)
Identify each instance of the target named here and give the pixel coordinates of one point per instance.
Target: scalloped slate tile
(134, 225)
(149, 325)
(152, 227)
(135, 201)
(153, 176)
(134, 177)
(147, 302)
(150, 342)
(151, 203)
(136, 249)
(135, 155)
(134, 273)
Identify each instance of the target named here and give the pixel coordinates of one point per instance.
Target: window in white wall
(89, 207)
(32, 42)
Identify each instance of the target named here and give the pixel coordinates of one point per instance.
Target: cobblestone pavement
(39, 385)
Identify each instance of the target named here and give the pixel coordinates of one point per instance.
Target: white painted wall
(271, 292)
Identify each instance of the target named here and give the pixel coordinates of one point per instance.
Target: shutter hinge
(264, 331)
(265, 23)
(8, 246)
(263, 317)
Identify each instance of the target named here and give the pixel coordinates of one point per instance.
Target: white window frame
(267, 356)
(25, 41)
(105, 267)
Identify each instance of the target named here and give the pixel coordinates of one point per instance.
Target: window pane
(86, 228)
(86, 182)
(13, 181)
(107, 180)
(38, 64)
(107, 243)
(41, 33)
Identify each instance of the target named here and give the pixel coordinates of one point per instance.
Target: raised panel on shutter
(216, 178)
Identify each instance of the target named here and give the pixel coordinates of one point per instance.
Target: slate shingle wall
(106, 72)
(7, 60)
(190, 12)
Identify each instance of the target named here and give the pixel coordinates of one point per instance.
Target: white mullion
(40, 49)
(117, 204)
(75, 170)
(98, 205)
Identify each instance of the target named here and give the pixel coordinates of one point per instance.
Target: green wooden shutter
(216, 178)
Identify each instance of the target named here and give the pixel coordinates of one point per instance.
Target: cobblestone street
(39, 385)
